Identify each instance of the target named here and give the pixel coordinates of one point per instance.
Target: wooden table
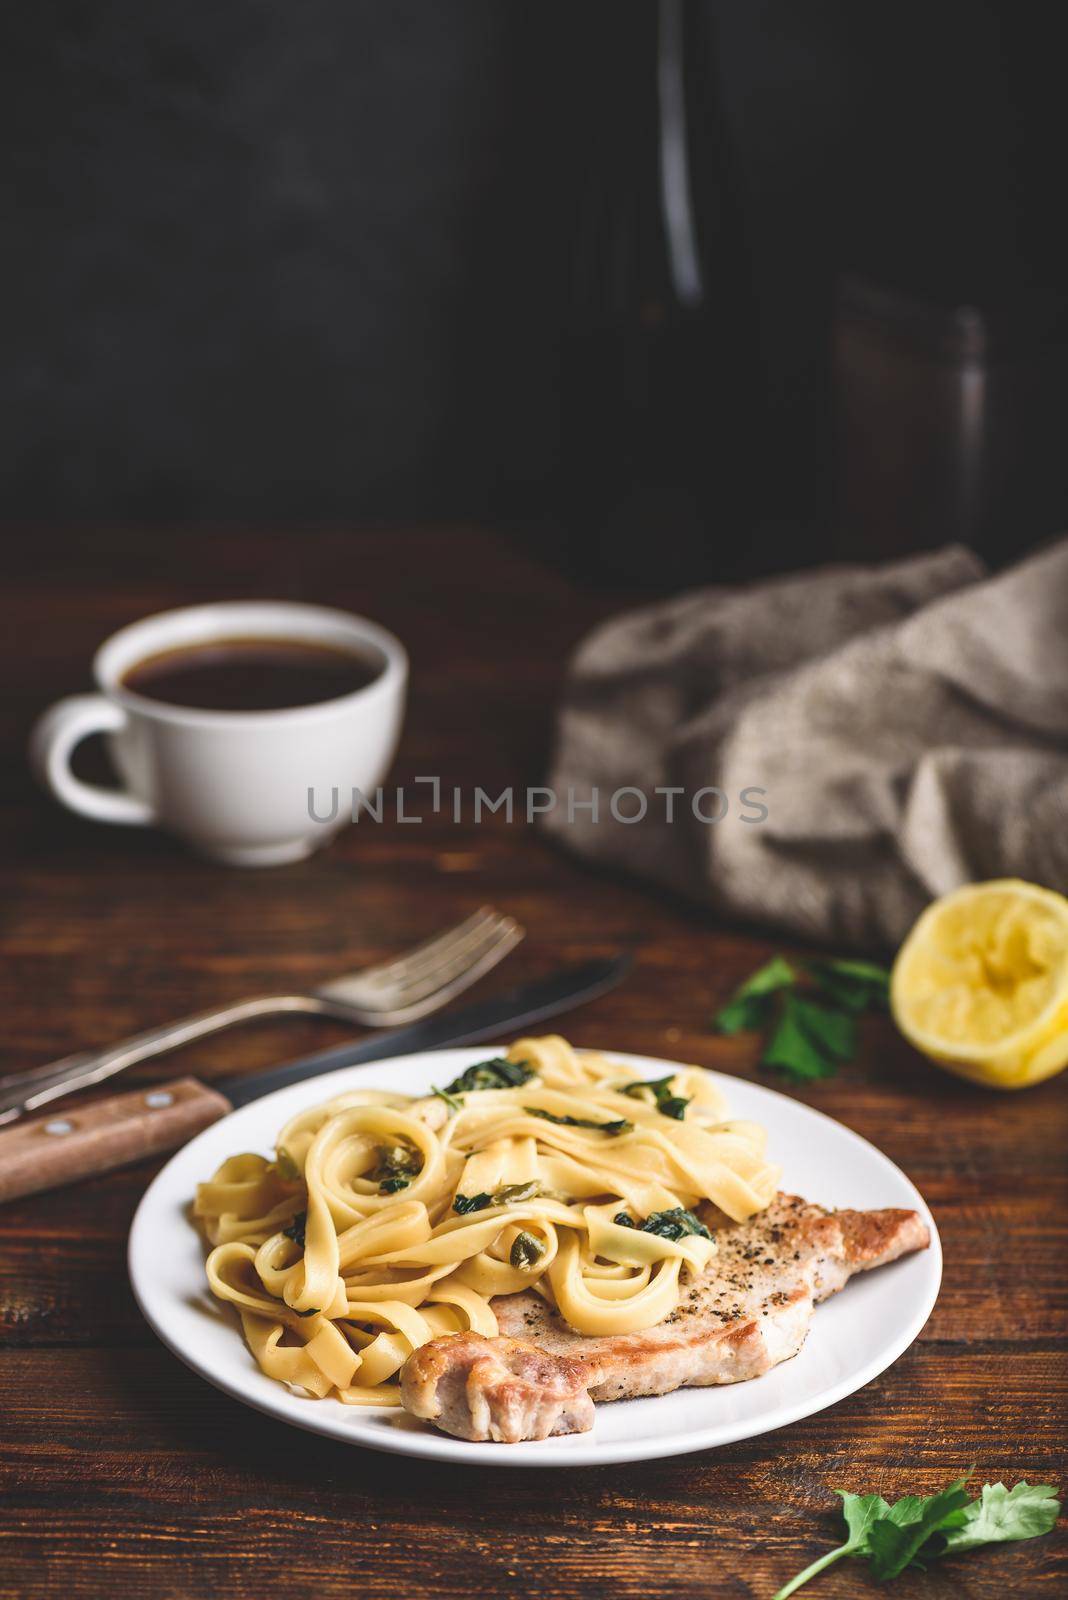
(126, 1474)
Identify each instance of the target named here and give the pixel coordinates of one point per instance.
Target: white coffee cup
(240, 786)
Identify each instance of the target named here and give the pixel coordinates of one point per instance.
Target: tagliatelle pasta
(385, 1220)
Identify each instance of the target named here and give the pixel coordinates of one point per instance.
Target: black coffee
(250, 675)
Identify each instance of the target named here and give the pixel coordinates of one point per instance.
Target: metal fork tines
(396, 992)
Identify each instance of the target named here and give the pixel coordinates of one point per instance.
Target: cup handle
(52, 742)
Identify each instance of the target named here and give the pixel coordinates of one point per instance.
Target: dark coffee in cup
(250, 674)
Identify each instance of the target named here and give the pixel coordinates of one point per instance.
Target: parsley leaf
(613, 1128)
(285, 1167)
(855, 985)
(776, 974)
(509, 1194)
(743, 1016)
(895, 1540)
(1001, 1514)
(668, 1104)
(673, 1224)
(296, 1228)
(859, 1511)
(750, 1005)
(526, 1250)
(453, 1101)
(497, 1073)
(834, 1031)
(514, 1193)
(809, 1012)
(793, 1050)
(917, 1529)
(397, 1165)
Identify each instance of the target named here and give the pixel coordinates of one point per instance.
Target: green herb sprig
(397, 1165)
(497, 1073)
(453, 1101)
(295, 1230)
(673, 1224)
(668, 1104)
(808, 1012)
(526, 1251)
(621, 1125)
(918, 1529)
(509, 1194)
(284, 1167)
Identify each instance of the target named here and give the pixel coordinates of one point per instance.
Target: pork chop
(749, 1310)
(502, 1389)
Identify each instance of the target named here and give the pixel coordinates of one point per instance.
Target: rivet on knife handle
(80, 1141)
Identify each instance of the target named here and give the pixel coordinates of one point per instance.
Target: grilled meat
(749, 1310)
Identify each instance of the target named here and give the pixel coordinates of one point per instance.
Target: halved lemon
(981, 983)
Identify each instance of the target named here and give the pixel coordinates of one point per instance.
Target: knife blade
(49, 1151)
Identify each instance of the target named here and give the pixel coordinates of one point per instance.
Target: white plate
(854, 1337)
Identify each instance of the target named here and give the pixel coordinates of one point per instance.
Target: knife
(48, 1151)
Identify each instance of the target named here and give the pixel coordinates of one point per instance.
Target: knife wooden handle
(86, 1139)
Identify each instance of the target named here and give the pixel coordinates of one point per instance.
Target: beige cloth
(908, 722)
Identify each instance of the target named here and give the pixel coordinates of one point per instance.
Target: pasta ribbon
(386, 1220)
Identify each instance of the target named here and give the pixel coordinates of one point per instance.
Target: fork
(388, 995)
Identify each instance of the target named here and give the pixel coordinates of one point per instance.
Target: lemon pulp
(981, 983)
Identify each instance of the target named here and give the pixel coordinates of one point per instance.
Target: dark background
(349, 261)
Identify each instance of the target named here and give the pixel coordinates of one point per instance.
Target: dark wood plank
(122, 1470)
(234, 1490)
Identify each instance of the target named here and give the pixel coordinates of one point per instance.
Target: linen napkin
(908, 724)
